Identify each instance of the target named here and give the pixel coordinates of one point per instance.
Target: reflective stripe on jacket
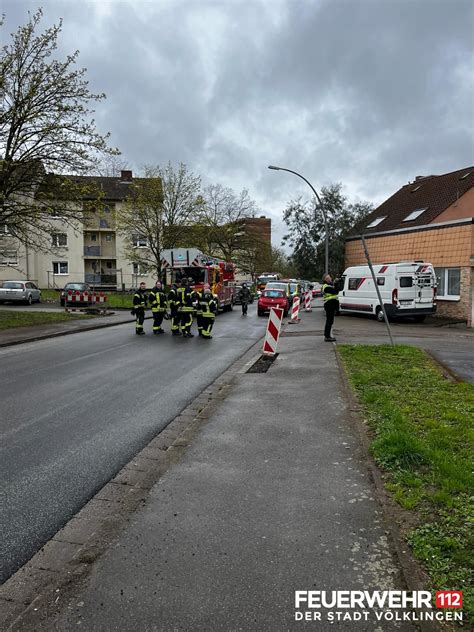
(139, 300)
(185, 300)
(157, 301)
(329, 293)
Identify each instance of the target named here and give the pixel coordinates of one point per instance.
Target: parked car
(19, 291)
(317, 290)
(76, 287)
(272, 298)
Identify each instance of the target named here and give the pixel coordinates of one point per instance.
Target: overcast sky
(370, 93)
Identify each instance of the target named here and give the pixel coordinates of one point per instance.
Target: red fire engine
(206, 273)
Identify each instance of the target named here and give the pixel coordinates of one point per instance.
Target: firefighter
(208, 304)
(196, 297)
(245, 297)
(157, 299)
(139, 307)
(330, 291)
(186, 308)
(173, 304)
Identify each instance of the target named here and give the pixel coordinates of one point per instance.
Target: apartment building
(92, 251)
(430, 219)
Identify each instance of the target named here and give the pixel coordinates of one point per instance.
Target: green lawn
(11, 319)
(422, 429)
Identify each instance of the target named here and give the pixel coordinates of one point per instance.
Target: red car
(272, 298)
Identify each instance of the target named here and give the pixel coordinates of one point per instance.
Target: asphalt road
(76, 409)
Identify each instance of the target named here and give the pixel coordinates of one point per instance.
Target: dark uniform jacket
(140, 300)
(185, 299)
(244, 295)
(157, 300)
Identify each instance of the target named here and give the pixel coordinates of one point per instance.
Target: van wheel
(379, 314)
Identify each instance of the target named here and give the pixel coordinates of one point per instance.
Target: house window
(59, 240)
(414, 214)
(93, 237)
(139, 241)
(139, 269)
(449, 283)
(376, 222)
(109, 265)
(60, 267)
(4, 230)
(108, 237)
(8, 257)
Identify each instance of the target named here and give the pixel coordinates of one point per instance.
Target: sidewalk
(273, 495)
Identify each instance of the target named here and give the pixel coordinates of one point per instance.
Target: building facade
(93, 250)
(430, 220)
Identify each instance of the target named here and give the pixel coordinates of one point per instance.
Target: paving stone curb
(36, 589)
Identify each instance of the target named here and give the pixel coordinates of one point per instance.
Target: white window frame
(55, 238)
(139, 241)
(375, 222)
(9, 257)
(415, 214)
(58, 264)
(445, 273)
(137, 269)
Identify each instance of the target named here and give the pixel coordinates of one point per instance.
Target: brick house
(430, 219)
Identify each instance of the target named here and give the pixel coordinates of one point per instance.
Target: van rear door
(406, 290)
(425, 283)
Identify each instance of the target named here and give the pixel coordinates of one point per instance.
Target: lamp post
(326, 264)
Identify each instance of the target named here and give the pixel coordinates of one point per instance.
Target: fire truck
(206, 273)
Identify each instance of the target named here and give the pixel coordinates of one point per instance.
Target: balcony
(91, 251)
(99, 223)
(101, 279)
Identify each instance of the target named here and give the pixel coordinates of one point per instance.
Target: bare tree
(46, 127)
(221, 228)
(158, 213)
(182, 202)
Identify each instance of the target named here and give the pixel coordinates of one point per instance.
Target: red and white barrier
(295, 309)
(273, 330)
(307, 301)
(88, 300)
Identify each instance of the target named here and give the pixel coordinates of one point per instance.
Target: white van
(407, 289)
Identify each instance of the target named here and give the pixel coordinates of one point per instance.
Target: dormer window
(414, 214)
(375, 222)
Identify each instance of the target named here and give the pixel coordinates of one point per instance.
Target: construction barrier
(99, 301)
(273, 330)
(307, 301)
(76, 301)
(295, 309)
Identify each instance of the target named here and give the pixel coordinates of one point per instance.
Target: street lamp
(320, 204)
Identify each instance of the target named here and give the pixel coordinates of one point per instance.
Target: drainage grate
(302, 333)
(262, 364)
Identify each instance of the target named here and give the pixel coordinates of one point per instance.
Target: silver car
(24, 291)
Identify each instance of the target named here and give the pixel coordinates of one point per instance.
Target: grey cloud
(362, 92)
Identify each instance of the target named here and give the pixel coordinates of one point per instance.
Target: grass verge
(11, 319)
(423, 439)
